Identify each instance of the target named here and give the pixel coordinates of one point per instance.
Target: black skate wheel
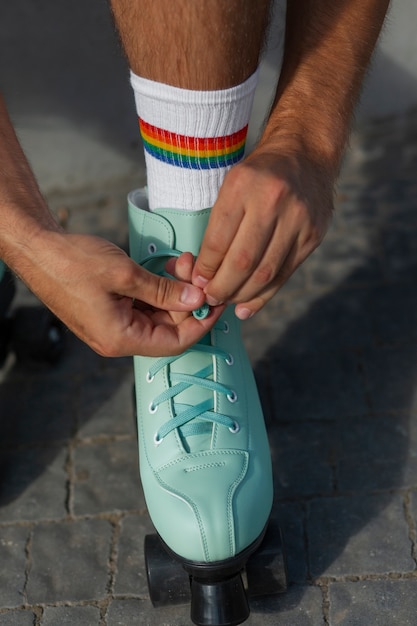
(37, 335)
(7, 292)
(266, 569)
(5, 332)
(168, 582)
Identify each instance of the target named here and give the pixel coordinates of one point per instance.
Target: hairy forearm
(24, 215)
(328, 46)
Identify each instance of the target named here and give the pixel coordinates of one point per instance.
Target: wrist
(27, 238)
(307, 135)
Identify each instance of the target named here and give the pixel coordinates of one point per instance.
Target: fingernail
(211, 301)
(244, 314)
(200, 281)
(190, 295)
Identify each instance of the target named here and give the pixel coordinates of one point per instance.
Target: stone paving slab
(389, 389)
(69, 561)
(37, 411)
(335, 388)
(33, 483)
(114, 414)
(300, 607)
(71, 616)
(375, 455)
(358, 535)
(106, 478)
(17, 618)
(13, 542)
(298, 452)
(130, 578)
(292, 521)
(376, 602)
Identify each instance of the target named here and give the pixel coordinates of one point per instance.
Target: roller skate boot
(7, 291)
(31, 333)
(204, 456)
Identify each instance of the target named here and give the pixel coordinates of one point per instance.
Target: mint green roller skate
(204, 455)
(7, 291)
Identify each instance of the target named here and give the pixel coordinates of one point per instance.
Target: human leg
(193, 45)
(204, 456)
(193, 89)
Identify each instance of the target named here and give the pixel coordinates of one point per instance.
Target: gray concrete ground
(334, 355)
(336, 362)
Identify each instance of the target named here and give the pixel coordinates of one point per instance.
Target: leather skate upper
(207, 483)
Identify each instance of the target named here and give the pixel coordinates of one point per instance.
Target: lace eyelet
(152, 248)
(235, 428)
(157, 439)
(153, 408)
(226, 328)
(232, 396)
(149, 378)
(230, 360)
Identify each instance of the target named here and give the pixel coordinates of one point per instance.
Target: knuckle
(206, 267)
(164, 292)
(106, 348)
(264, 274)
(124, 274)
(283, 275)
(236, 177)
(315, 236)
(244, 261)
(214, 244)
(279, 189)
(312, 239)
(208, 264)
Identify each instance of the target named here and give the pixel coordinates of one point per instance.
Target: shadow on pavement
(339, 383)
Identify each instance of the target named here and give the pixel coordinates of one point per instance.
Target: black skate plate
(219, 591)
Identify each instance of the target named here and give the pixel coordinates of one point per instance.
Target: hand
(182, 269)
(272, 211)
(90, 284)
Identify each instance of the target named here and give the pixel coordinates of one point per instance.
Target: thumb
(166, 294)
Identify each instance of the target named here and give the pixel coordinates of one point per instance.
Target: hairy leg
(207, 45)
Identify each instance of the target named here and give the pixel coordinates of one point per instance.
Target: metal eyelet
(149, 378)
(153, 408)
(157, 439)
(230, 360)
(226, 328)
(232, 396)
(235, 428)
(152, 248)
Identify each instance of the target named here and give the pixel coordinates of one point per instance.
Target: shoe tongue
(191, 363)
(188, 228)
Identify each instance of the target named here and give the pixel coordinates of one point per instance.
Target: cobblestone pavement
(335, 356)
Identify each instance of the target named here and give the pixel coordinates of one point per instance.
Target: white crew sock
(191, 139)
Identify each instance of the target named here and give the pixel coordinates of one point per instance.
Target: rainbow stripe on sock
(193, 152)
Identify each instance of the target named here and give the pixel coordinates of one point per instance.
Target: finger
(182, 267)
(246, 308)
(242, 259)
(163, 293)
(222, 228)
(147, 337)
